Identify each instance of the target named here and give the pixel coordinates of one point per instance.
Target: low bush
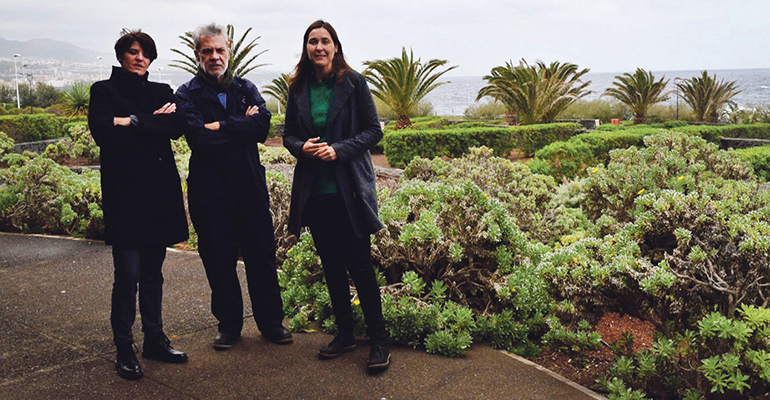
(40, 196)
(714, 134)
(568, 159)
(758, 158)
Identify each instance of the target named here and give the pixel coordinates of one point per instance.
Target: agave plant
(638, 91)
(239, 63)
(535, 93)
(279, 89)
(402, 82)
(77, 98)
(707, 96)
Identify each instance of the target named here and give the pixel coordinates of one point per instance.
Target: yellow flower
(640, 192)
(356, 302)
(680, 178)
(595, 170)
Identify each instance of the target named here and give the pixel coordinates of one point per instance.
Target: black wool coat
(352, 128)
(141, 191)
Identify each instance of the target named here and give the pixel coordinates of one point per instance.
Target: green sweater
(321, 95)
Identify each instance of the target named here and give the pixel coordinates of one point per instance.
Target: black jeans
(343, 253)
(142, 267)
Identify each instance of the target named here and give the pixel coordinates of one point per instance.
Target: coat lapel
(303, 107)
(342, 92)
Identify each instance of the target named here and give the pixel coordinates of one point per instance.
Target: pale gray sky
(477, 35)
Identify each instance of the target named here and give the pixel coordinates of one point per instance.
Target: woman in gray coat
(331, 123)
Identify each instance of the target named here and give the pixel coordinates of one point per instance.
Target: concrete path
(56, 343)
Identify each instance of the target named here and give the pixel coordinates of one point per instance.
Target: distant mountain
(48, 48)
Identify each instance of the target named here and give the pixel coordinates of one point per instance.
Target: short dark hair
(127, 39)
(305, 66)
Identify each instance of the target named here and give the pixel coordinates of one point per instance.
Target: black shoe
(127, 365)
(338, 346)
(224, 340)
(379, 358)
(158, 347)
(279, 335)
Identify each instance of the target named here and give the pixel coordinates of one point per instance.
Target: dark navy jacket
(141, 190)
(225, 171)
(353, 127)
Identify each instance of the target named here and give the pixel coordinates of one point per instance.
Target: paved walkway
(55, 342)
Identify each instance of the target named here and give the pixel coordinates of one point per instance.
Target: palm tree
(638, 91)
(535, 93)
(402, 82)
(238, 55)
(77, 98)
(707, 96)
(279, 89)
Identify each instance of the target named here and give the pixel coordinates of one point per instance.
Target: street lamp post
(16, 74)
(160, 78)
(100, 66)
(676, 83)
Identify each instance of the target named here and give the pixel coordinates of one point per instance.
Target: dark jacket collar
(122, 76)
(207, 92)
(342, 92)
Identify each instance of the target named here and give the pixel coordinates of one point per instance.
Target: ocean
(455, 97)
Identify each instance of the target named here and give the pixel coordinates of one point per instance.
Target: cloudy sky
(476, 35)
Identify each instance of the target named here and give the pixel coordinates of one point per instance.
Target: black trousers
(222, 232)
(343, 253)
(136, 267)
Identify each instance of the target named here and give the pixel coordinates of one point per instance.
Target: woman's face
(321, 50)
(134, 60)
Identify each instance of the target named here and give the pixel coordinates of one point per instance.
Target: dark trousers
(221, 234)
(136, 267)
(343, 253)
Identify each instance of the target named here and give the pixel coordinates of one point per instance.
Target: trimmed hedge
(35, 127)
(567, 159)
(400, 147)
(531, 138)
(714, 134)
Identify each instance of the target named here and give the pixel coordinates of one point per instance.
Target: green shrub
(596, 109)
(721, 356)
(571, 158)
(6, 144)
(714, 134)
(400, 147)
(31, 128)
(485, 111)
(759, 158)
(40, 196)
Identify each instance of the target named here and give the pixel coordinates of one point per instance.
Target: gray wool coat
(353, 127)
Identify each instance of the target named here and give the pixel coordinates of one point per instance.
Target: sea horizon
(452, 99)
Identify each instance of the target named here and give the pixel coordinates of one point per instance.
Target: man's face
(213, 55)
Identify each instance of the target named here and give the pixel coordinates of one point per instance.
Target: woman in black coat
(132, 120)
(331, 123)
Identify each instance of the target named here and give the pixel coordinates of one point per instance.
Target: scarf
(216, 85)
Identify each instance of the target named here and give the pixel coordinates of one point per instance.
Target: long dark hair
(304, 67)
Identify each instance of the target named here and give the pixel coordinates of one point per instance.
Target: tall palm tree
(638, 91)
(707, 96)
(279, 89)
(535, 93)
(77, 98)
(402, 82)
(239, 62)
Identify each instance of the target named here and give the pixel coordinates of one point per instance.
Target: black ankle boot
(158, 347)
(127, 365)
